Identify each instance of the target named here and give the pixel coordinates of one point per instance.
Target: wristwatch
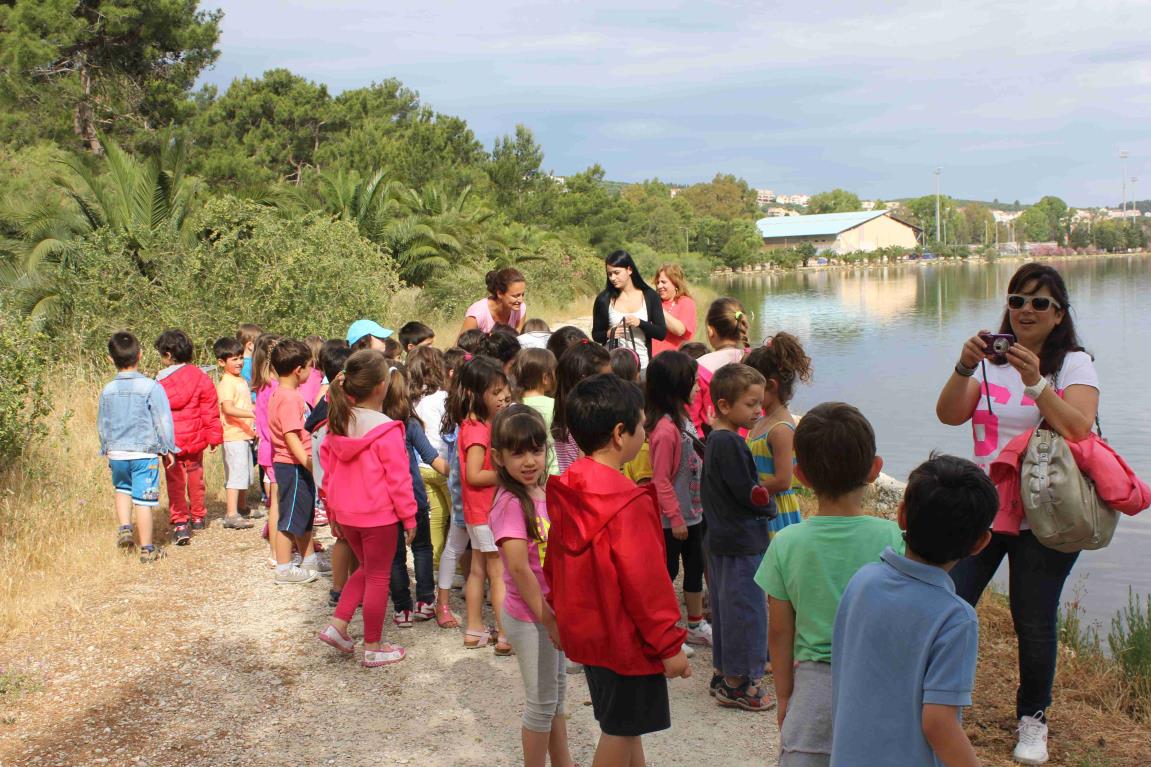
(1033, 392)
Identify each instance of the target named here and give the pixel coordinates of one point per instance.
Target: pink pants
(375, 547)
(186, 487)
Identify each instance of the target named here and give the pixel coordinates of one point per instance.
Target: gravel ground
(202, 660)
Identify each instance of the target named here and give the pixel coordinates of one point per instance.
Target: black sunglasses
(1038, 303)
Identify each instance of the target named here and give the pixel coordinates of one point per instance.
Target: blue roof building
(864, 230)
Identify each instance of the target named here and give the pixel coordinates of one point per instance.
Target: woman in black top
(629, 302)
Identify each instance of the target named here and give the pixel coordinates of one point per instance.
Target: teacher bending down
(627, 312)
(1044, 376)
(504, 305)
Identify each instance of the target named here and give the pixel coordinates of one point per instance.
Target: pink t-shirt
(286, 413)
(507, 521)
(484, 319)
(477, 500)
(310, 389)
(683, 310)
(264, 446)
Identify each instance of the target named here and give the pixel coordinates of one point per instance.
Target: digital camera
(996, 346)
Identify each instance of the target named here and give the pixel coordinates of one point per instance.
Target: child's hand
(677, 666)
(410, 535)
(549, 621)
(781, 710)
(168, 459)
(679, 533)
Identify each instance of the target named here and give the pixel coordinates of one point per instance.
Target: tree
(514, 168)
(835, 201)
(725, 196)
(111, 60)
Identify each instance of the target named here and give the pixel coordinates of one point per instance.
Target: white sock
(282, 569)
(309, 562)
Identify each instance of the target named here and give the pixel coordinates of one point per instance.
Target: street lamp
(1123, 157)
(937, 172)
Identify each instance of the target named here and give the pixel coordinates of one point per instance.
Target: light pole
(937, 172)
(1123, 157)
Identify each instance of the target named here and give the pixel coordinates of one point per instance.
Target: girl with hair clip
(519, 522)
(782, 361)
(727, 332)
(398, 407)
(480, 392)
(264, 383)
(580, 361)
(364, 445)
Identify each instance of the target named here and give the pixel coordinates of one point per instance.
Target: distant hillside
(995, 204)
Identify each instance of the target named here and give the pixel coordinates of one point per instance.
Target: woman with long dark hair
(1045, 375)
(628, 309)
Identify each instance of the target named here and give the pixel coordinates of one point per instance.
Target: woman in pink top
(678, 308)
(519, 523)
(364, 445)
(504, 305)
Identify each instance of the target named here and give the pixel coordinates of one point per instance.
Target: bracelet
(963, 370)
(1033, 392)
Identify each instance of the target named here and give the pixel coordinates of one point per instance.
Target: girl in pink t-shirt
(519, 523)
(264, 383)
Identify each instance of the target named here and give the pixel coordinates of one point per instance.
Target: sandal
(445, 618)
(474, 640)
(340, 640)
(503, 648)
(742, 697)
(385, 656)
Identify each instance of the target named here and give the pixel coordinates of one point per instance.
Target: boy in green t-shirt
(807, 567)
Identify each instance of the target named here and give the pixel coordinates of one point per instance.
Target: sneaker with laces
(180, 535)
(318, 562)
(256, 513)
(425, 611)
(295, 575)
(700, 635)
(197, 525)
(688, 650)
(236, 523)
(402, 618)
(1032, 745)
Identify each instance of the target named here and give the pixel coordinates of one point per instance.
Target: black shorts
(628, 706)
(297, 493)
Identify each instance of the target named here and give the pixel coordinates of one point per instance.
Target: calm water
(885, 340)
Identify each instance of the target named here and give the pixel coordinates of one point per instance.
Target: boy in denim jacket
(135, 427)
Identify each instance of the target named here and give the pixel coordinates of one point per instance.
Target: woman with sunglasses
(1045, 375)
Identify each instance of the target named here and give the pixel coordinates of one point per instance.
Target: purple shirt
(507, 521)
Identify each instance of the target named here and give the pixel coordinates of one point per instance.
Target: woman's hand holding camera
(974, 350)
(1026, 362)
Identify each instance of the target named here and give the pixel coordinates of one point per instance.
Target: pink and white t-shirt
(484, 319)
(1012, 413)
(507, 521)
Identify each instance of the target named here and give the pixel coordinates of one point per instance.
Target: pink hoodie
(367, 481)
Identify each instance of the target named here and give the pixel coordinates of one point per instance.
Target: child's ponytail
(783, 359)
(362, 373)
(262, 359)
(729, 321)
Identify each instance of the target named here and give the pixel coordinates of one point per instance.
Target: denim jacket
(134, 416)
(455, 489)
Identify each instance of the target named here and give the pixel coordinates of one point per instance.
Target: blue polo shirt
(902, 638)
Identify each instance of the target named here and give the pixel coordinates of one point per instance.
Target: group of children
(572, 494)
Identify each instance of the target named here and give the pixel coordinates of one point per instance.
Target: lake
(885, 339)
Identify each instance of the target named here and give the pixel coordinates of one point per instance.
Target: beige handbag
(1062, 507)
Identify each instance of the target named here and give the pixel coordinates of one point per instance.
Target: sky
(1011, 100)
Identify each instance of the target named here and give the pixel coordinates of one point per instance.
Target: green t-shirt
(545, 406)
(809, 565)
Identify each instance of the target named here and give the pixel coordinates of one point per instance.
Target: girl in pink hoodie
(368, 491)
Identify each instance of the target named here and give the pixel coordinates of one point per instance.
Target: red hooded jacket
(614, 602)
(195, 410)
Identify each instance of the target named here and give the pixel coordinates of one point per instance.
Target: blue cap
(361, 328)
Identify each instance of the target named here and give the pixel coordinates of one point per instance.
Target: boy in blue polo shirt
(905, 645)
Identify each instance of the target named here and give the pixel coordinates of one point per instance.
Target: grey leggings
(543, 669)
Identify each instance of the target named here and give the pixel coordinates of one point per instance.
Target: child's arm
(737, 469)
(943, 731)
(424, 449)
(474, 472)
(296, 448)
(782, 443)
(515, 552)
(209, 412)
(781, 644)
(664, 451)
(162, 422)
(101, 414)
(393, 453)
(231, 410)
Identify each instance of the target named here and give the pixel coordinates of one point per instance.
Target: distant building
(674, 191)
(1130, 213)
(867, 204)
(839, 232)
(764, 196)
(777, 211)
(793, 199)
(1005, 216)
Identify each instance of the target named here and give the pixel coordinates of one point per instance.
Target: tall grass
(1130, 644)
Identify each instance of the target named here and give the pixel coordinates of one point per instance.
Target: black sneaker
(180, 535)
(197, 525)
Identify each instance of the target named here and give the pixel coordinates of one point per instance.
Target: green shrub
(1130, 643)
(23, 385)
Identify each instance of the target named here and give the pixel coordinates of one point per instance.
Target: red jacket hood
(593, 497)
(195, 409)
(367, 481)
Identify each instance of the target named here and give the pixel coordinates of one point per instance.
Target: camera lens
(1001, 345)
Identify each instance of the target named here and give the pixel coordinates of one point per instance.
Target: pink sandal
(445, 618)
(474, 640)
(385, 656)
(334, 637)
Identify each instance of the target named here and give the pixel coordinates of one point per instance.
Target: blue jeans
(738, 616)
(1037, 575)
(422, 557)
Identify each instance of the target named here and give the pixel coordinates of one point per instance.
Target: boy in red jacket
(614, 603)
(196, 418)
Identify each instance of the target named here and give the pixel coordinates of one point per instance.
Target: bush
(1130, 644)
(23, 385)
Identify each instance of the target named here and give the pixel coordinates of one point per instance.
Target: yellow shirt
(234, 390)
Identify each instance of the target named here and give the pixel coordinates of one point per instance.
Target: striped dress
(787, 501)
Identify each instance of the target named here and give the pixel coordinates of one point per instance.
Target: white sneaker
(295, 575)
(688, 650)
(573, 667)
(317, 562)
(700, 635)
(1032, 745)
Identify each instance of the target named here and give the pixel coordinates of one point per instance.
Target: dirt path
(201, 660)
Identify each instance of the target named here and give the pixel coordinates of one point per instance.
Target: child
(472, 341)
(363, 446)
(501, 344)
(196, 419)
(737, 511)
(675, 473)
(535, 374)
(247, 334)
(238, 422)
(398, 407)
(614, 603)
(519, 522)
(727, 329)
(292, 464)
(565, 338)
(310, 389)
(694, 349)
(481, 391)
(781, 360)
(535, 335)
(625, 364)
(367, 334)
(904, 646)
(414, 335)
(456, 552)
(807, 567)
(135, 427)
(584, 358)
(264, 383)
(427, 376)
